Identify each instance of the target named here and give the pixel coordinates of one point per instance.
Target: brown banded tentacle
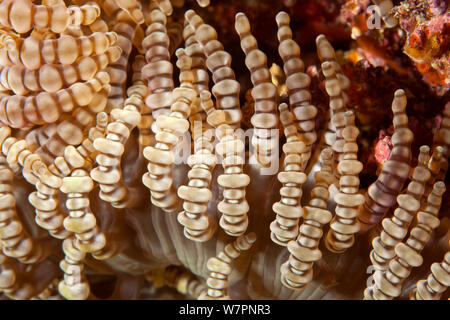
(436, 283)
(264, 93)
(146, 136)
(442, 138)
(72, 130)
(344, 224)
(45, 200)
(23, 15)
(326, 53)
(74, 286)
(289, 210)
(15, 240)
(226, 88)
(53, 77)
(395, 228)
(198, 226)
(159, 70)
(20, 111)
(125, 30)
(388, 285)
(199, 70)
(181, 279)
(337, 107)
(297, 271)
(108, 173)
(165, 6)
(297, 83)
(33, 52)
(81, 221)
(133, 8)
(382, 194)
(234, 206)
(170, 128)
(220, 267)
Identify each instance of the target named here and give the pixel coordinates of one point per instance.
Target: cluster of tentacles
(89, 106)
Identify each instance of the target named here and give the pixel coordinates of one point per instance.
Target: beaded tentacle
(297, 271)
(234, 206)
(442, 139)
(226, 88)
(388, 285)
(146, 136)
(45, 200)
(395, 228)
(220, 267)
(14, 239)
(326, 53)
(10, 282)
(264, 93)
(381, 195)
(159, 69)
(74, 286)
(133, 8)
(289, 210)
(437, 282)
(81, 221)
(344, 224)
(22, 15)
(165, 6)
(297, 83)
(170, 128)
(196, 195)
(24, 111)
(54, 77)
(337, 107)
(183, 281)
(33, 52)
(201, 77)
(72, 130)
(108, 173)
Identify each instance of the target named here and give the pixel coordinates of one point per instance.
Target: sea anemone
(145, 181)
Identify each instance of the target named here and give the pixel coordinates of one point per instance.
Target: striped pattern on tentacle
(289, 210)
(442, 139)
(201, 77)
(170, 128)
(264, 93)
(24, 111)
(53, 77)
(297, 83)
(297, 272)
(23, 15)
(326, 54)
(226, 88)
(388, 285)
(220, 267)
(196, 195)
(74, 286)
(45, 200)
(181, 279)
(395, 228)
(234, 206)
(344, 224)
(382, 194)
(437, 282)
(159, 69)
(108, 173)
(33, 52)
(337, 107)
(15, 240)
(72, 130)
